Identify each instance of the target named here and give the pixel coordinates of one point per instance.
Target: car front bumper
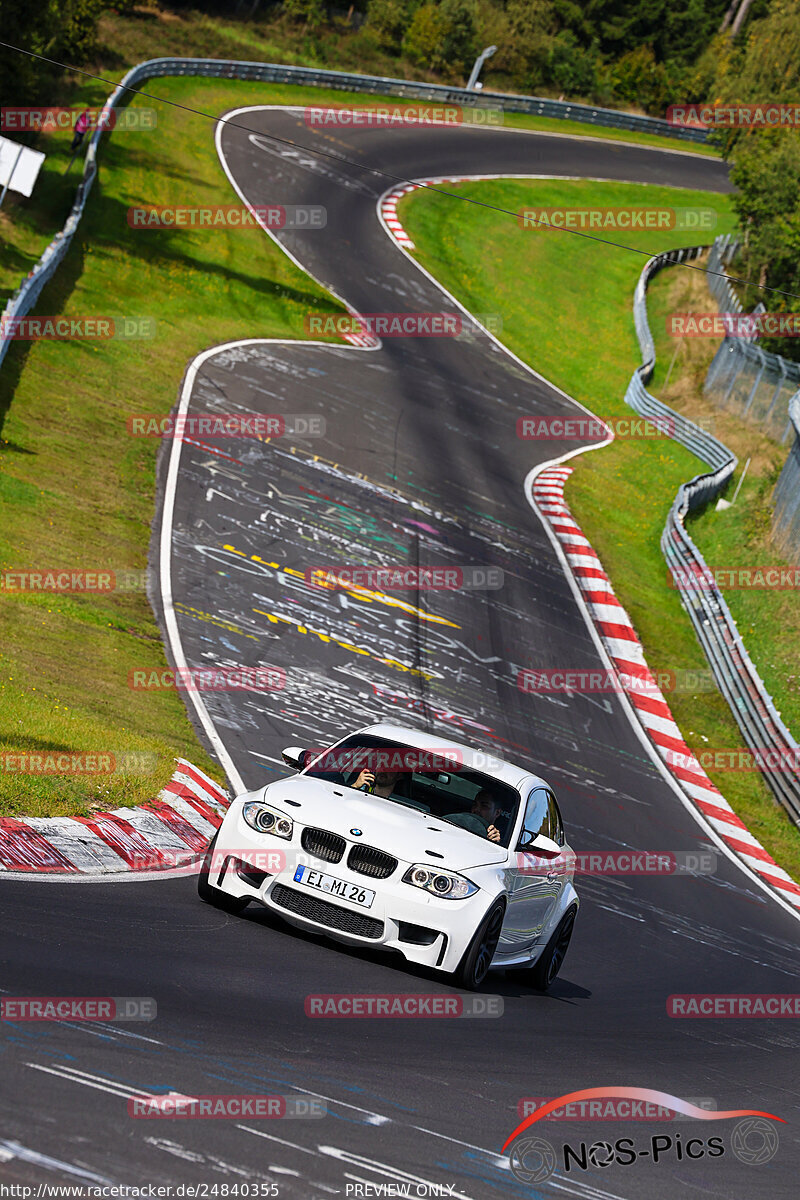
(423, 928)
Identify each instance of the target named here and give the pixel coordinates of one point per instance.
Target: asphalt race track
(419, 464)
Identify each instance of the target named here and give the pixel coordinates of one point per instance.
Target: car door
(534, 882)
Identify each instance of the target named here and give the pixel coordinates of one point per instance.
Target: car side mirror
(538, 845)
(294, 756)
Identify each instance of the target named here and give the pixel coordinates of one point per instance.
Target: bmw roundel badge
(356, 832)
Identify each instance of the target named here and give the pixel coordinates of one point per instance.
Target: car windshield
(431, 782)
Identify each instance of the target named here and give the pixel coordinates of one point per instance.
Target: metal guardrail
(385, 85)
(755, 384)
(786, 516)
(27, 294)
(751, 382)
(720, 286)
(736, 676)
(696, 439)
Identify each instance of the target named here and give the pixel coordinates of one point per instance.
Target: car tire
(474, 966)
(213, 895)
(544, 973)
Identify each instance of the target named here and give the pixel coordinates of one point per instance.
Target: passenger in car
(389, 785)
(379, 783)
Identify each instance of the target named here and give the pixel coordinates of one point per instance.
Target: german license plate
(334, 887)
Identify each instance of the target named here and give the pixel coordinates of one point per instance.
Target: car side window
(537, 814)
(556, 824)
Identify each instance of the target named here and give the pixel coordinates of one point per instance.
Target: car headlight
(264, 819)
(444, 884)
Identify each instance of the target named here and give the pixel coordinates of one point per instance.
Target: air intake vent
(323, 844)
(369, 861)
(324, 913)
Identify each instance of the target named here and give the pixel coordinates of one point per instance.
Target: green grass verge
(28, 225)
(566, 309)
(77, 492)
(768, 621)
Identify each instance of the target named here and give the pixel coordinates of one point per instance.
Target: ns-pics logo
(533, 1159)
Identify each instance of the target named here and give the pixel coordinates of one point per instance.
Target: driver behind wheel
(481, 817)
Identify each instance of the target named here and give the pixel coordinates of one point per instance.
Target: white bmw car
(397, 839)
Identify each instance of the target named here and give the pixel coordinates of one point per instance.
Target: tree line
(645, 54)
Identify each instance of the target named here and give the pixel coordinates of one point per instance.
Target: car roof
(490, 762)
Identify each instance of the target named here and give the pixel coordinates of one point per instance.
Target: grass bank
(77, 492)
(566, 308)
(768, 620)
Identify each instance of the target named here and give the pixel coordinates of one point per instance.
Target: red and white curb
(625, 651)
(365, 341)
(172, 831)
(387, 206)
(388, 211)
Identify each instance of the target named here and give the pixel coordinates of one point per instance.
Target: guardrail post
(737, 362)
(752, 395)
(778, 389)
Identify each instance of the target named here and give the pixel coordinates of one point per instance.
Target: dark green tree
(442, 36)
(389, 19)
(312, 13)
(766, 168)
(64, 30)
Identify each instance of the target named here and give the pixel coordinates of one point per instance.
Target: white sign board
(19, 166)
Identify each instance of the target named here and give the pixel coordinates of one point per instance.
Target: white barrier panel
(19, 166)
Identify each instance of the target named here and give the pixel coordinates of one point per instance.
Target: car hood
(403, 832)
